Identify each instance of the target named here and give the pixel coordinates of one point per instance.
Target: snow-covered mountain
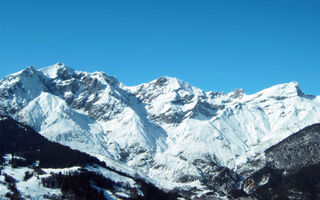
(34, 168)
(166, 130)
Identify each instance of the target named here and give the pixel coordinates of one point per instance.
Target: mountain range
(201, 145)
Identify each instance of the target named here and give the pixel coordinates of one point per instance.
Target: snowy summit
(166, 130)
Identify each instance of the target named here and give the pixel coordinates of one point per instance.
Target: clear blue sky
(215, 45)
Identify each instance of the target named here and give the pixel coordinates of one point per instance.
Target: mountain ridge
(165, 130)
(58, 172)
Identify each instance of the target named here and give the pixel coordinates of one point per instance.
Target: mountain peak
(60, 64)
(159, 128)
(29, 71)
(168, 81)
(290, 89)
(237, 93)
(58, 70)
(30, 68)
(170, 84)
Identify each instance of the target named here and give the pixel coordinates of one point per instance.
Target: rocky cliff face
(165, 130)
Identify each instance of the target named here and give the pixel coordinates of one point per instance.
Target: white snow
(3, 188)
(29, 189)
(52, 71)
(158, 129)
(110, 196)
(56, 120)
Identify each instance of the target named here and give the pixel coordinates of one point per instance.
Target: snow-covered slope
(50, 114)
(166, 130)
